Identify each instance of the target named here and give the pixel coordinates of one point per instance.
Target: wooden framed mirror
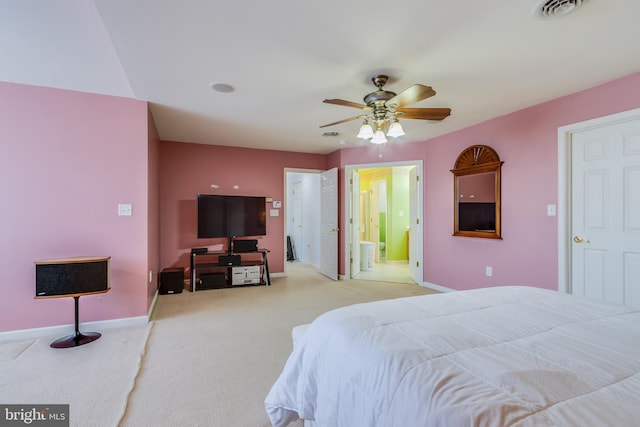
(476, 190)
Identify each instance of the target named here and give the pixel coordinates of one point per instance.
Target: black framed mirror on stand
(476, 190)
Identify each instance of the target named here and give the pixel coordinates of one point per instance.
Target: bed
(502, 356)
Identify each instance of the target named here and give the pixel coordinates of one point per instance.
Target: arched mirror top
(477, 193)
(476, 158)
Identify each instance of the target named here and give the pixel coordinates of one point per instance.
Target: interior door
(354, 220)
(329, 223)
(295, 225)
(415, 235)
(605, 213)
(374, 218)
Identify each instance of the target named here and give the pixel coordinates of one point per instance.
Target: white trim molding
(56, 331)
(436, 287)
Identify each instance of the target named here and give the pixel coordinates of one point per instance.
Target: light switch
(551, 210)
(125, 209)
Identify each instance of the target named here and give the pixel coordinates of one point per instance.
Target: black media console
(222, 269)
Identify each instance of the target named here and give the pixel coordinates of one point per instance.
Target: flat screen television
(231, 216)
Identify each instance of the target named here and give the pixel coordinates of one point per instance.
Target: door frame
(286, 206)
(348, 197)
(565, 187)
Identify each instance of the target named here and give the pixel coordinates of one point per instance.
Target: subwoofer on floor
(171, 281)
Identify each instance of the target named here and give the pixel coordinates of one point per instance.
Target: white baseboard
(152, 306)
(62, 330)
(436, 287)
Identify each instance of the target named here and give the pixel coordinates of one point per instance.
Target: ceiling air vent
(330, 134)
(556, 8)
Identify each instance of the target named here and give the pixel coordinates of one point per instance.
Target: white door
(329, 223)
(415, 235)
(295, 225)
(605, 213)
(354, 221)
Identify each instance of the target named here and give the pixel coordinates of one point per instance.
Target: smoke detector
(556, 8)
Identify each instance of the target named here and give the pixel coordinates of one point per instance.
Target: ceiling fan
(383, 108)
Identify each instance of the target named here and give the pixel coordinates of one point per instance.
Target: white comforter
(506, 356)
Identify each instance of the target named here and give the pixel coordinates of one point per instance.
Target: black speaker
(72, 276)
(245, 246)
(171, 281)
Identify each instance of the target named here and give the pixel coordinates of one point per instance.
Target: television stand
(208, 262)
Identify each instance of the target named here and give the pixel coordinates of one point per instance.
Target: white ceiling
(484, 58)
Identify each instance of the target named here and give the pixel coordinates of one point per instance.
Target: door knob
(579, 239)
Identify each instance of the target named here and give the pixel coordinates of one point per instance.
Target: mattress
(502, 356)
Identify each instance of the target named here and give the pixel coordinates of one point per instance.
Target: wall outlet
(488, 271)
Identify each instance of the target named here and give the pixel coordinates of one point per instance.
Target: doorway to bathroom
(384, 208)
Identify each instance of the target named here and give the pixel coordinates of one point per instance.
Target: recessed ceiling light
(222, 87)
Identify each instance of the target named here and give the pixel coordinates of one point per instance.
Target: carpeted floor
(213, 355)
(208, 358)
(93, 379)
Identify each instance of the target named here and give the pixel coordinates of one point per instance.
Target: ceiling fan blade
(345, 103)
(342, 121)
(411, 95)
(423, 113)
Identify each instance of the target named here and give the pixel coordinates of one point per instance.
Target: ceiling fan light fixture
(382, 107)
(395, 130)
(366, 131)
(378, 137)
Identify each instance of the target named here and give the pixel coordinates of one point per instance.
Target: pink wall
(189, 169)
(67, 160)
(527, 142)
